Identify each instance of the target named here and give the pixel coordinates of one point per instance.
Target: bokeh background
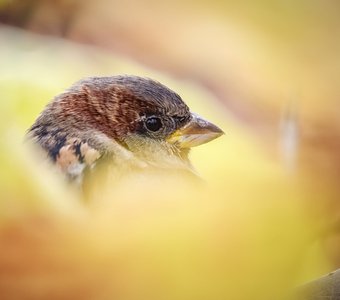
(267, 218)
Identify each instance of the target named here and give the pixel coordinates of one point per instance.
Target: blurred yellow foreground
(247, 232)
(261, 222)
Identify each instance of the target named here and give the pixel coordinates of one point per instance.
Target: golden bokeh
(265, 218)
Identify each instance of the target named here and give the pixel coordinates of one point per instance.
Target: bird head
(148, 118)
(123, 114)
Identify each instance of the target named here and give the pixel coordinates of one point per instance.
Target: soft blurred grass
(248, 233)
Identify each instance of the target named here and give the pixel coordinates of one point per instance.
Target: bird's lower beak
(197, 132)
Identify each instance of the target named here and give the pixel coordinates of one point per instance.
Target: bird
(125, 122)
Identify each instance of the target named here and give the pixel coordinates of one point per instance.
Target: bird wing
(75, 157)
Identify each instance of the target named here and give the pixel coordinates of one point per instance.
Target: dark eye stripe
(179, 119)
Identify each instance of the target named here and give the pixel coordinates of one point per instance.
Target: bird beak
(197, 132)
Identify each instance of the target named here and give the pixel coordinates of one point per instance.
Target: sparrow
(125, 122)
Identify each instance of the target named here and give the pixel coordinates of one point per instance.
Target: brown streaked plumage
(122, 121)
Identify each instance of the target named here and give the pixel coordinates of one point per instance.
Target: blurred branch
(17, 12)
(326, 287)
(50, 17)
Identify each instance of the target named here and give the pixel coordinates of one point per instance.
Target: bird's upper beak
(197, 132)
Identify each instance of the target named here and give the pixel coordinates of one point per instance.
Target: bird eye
(153, 124)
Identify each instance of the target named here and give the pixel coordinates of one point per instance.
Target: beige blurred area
(266, 219)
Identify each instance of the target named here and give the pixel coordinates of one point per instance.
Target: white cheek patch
(76, 169)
